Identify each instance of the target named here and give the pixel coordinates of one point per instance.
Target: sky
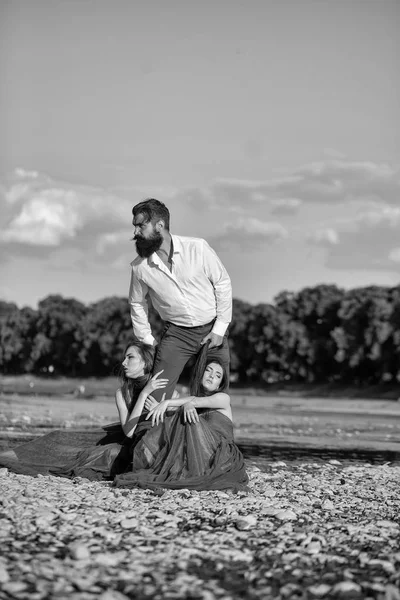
(269, 128)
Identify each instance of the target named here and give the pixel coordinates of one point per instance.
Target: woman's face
(133, 363)
(212, 377)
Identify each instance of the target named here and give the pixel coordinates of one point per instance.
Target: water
(262, 455)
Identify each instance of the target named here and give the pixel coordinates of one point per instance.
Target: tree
(17, 331)
(107, 330)
(239, 345)
(58, 340)
(316, 310)
(6, 308)
(364, 336)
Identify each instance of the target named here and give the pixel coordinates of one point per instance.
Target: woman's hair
(202, 362)
(131, 388)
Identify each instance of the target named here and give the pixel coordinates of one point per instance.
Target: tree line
(319, 334)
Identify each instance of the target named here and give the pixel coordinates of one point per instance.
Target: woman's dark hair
(131, 388)
(202, 362)
(153, 210)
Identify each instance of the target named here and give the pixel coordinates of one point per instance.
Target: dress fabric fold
(172, 454)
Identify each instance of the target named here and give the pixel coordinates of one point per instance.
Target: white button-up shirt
(196, 291)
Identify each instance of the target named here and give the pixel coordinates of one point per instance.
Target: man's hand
(215, 340)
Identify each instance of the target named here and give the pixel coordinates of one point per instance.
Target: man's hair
(153, 210)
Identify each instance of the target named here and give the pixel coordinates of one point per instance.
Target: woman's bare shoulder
(223, 396)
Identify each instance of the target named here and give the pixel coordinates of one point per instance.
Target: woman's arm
(130, 420)
(121, 407)
(220, 401)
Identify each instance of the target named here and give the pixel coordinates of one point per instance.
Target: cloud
(39, 215)
(55, 209)
(332, 181)
(332, 153)
(341, 181)
(394, 255)
(371, 242)
(324, 237)
(284, 206)
(45, 220)
(249, 234)
(26, 174)
(386, 215)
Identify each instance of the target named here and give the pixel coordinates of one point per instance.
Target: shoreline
(267, 448)
(89, 387)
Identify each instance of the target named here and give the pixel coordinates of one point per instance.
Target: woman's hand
(155, 384)
(190, 414)
(157, 413)
(150, 403)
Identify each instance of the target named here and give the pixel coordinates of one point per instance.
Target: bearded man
(188, 286)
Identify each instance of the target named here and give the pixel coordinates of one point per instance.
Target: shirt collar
(177, 244)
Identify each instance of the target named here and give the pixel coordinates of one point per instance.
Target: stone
(14, 587)
(387, 524)
(347, 589)
(129, 523)
(286, 515)
(313, 547)
(4, 576)
(79, 551)
(319, 591)
(245, 523)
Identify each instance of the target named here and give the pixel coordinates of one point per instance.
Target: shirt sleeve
(221, 282)
(139, 310)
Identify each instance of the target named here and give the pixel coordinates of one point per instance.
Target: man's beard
(146, 247)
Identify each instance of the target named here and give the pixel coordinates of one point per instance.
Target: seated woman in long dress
(98, 453)
(106, 460)
(192, 448)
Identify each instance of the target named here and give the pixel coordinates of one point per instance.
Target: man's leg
(175, 348)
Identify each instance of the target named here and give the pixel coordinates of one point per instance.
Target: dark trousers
(177, 346)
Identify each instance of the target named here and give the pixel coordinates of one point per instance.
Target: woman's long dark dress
(89, 454)
(172, 454)
(176, 455)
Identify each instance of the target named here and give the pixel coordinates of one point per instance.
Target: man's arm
(220, 279)
(139, 310)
